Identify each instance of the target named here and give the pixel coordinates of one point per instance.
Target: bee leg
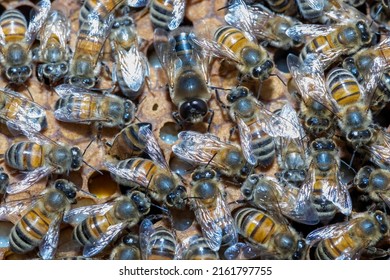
(177, 119)
(375, 253)
(231, 131)
(210, 119)
(223, 105)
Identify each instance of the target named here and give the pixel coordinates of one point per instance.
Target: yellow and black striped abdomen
(232, 38)
(143, 171)
(320, 45)
(25, 156)
(282, 6)
(78, 107)
(30, 230)
(161, 13)
(254, 225)
(102, 7)
(14, 26)
(332, 248)
(263, 145)
(199, 250)
(162, 245)
(92, 228)
(343, 86)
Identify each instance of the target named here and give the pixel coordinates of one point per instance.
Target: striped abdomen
(232, 38)
(162, 245)
(263, 145)
(128, 142)
(25, 156)
(102, 7)
(286, 7)
(183, 47)
(343, 86)
(14, 26)
(254, 225)
(79, 107)
(143, 170)
(30, 230)
(199, 250)
(308, 12)
(326, 210)
(161, 13)
(332, 248)
(320, 45)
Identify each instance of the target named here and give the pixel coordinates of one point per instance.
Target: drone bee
(53, 53)
(16, 40)
(207, 149)
(103, 222)
(187, 74)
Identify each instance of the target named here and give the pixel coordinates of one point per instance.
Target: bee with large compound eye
(269, 236)
(375, 183)
(40, 157)
(187, 74)
(211, 210)
(41, 219)
(79, 105)
(16, 40)
(158, 242)
(267, 194)
(330, 42)
(208, 149)
(84, 66)
(52, 55)
(131, 66)
(16, 108)
(167, 14)
(103, 222)
(315, 108)
(127, 249)
(258, 126)
(240, 48)
(152, 176)
(263, 23)
(196, 247)
(348, 240)
(129, 142)
(323, 184)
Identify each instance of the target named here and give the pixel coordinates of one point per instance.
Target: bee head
(193, 110)
(141, 201)
(68, 188)
(177, 197)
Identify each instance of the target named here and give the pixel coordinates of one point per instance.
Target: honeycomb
(155, 107)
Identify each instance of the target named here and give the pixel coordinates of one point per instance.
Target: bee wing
(146, 229)
(152, 147)
(246, 141)
(43, 8)
(317, 5)
(59, 25)
(329, 231)
(185, 244)
(77, 215)
(137, 3)
(178, 14)
(48, 245)
(241, 251)
(65, 90)
(337, 192)
(300, 32)
(96, 247)
(30, 179)
(239, 15)
(137, 176)
(371, 79)
(2, 38)
(379, 154)
(14, 209)
(306, 190)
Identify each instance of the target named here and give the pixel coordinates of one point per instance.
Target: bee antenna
(29, 93)
(87, 193)
(163, 209)
(223, 105)
(97, 170)
(238, 201)
(351, 161)
(279, 77)
(137, 119)
(211, 159)
(89, 144)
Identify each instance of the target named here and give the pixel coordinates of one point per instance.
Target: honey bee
(157, 242)
(52, 55)
(208, 149)
(128, 249)
(377, 149)
(348, 240)
(4, 181)
(84, 66)
(211, 210)
(196, 248)
(40, 224)
(79, 105)
(103, 222)
(258, 126)
(187, 74)
(330, 42)
(129, 142)
(267, 194)
(263, 23)
(271, 237)
(153, 176)
(360, 65)
(16, 108)
(131, 65)
(375, 183)
(323, 185)
(240, 48)
(16, 40)
(40, 157)
(167, 14)
(286, 7)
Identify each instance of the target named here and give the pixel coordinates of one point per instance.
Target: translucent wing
(2, 38)
(165, 50)
(137, 3)
(241, 251)
(134, 67)
(96, 247)
(294, 128)
(317, 5)
(58, 25)
(48, 245)
(329, 231)
(145, 232)
(246, 141)
(239, 16)
(65, 90)
(300, 32)
(14, 209)
(283, 123)
(152, 147)
(30, 179)
(178, 14)
(372, 79)
(43, 8)
(77, 215)
(136, 176)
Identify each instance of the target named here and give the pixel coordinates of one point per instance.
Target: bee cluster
(163, 129)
